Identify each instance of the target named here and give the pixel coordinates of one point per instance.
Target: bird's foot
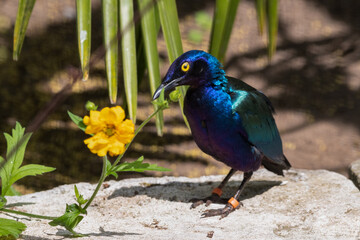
(222, 212)
(214, 198)
(231, 205)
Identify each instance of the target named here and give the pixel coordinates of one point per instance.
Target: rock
(354, 173)
(305, 204)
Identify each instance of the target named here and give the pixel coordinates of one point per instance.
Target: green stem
(161, 107)
(27, 214)
(101, 180)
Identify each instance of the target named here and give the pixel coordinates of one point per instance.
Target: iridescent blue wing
(255, 111)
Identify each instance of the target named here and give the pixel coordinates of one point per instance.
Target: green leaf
(79, 198)
(71, 218)
(140, 54)
(138, 166)
(11, 170)
(128, 44)
(29, 170)
(150, 30)
(2, 162)
(224, 17)
(3, 201)
(83, 8)
(110, 26)
(260, 10)
(170, 26)
(11, 228)
(272, 18)
(77, 120)
(12, 192)
(22, 19)
(109, 170)
(77, 195)
(16, 144)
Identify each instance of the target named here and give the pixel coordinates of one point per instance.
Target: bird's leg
(216, 193)
(233, 202)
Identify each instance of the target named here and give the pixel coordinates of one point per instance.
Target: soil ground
(313, 82)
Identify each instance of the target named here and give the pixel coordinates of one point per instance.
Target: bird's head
(194, 68)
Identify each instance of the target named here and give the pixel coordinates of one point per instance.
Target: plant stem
(161, 107)
(101, 180)
(27, 214)
(104, 172)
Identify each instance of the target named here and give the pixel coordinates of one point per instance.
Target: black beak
(167, 87)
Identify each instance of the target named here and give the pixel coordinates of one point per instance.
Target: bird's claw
(214, 198)
(222, 212)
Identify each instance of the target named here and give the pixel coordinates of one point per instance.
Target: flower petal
(101, 122)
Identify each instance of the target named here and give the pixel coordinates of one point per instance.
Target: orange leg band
(217, 191)
(233, 202)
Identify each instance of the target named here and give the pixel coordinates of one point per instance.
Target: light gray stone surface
(354, 173)
(302, 205)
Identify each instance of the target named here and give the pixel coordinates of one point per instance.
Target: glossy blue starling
(229, 120)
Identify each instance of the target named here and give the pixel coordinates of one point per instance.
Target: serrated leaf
(25, 8)
(77, 120)
(10, 227)
(138, 166)
(16, 144)
(29, 170)
(70, 219)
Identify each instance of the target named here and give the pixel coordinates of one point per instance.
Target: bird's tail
(276, 167)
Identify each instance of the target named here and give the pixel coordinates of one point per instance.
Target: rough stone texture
(303, 205)
(354, 173)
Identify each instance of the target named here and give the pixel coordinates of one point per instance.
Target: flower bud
(175, 95)
(90, 106)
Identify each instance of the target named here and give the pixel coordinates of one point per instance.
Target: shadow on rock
(185, 191)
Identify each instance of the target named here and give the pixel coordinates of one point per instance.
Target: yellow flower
(110, 131)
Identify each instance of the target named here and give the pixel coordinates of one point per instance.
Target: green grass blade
(149, 31)
(224, 17)
(260, 10)
(170, 26)
(272, 19)
(110, 26)
(128, 44)
(83, 9)
(22, 19)
(140, 54)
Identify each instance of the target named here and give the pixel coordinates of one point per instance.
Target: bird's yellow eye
(185, 67)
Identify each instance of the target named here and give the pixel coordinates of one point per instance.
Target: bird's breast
(215, 127)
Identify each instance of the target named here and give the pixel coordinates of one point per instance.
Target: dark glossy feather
(256, 111)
